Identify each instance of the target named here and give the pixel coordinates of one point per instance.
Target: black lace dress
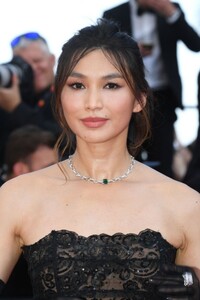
(117, 267)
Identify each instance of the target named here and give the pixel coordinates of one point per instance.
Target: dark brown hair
(23, 142)
(123, 52)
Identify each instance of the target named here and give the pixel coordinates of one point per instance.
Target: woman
(101, 225)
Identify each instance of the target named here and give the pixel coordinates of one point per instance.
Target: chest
(96, 209)
(91, 203)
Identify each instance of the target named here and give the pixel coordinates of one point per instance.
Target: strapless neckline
(100, 235)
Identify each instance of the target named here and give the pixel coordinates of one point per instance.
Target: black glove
(171, 285)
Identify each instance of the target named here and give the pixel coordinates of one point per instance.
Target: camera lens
(6, 73)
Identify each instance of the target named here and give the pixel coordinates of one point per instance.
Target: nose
(93, 99)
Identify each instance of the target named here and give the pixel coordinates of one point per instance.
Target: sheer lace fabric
(116, 267)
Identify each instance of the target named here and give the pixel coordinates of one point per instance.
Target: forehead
(96, 59)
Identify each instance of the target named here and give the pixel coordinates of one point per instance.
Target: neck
(97, 169)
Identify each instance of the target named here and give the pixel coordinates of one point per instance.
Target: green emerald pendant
(105, 181)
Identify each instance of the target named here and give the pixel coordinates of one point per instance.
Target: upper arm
(10, 241)
(189, 254)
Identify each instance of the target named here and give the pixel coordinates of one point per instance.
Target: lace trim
(64, 231)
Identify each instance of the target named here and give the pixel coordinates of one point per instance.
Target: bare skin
(34, 204)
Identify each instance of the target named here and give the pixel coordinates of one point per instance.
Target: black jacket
(169, 35)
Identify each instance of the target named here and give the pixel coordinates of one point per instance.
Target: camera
(19, 67)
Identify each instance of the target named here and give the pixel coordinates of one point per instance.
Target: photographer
(28, 102)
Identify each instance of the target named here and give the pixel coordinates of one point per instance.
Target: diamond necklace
(105, 180)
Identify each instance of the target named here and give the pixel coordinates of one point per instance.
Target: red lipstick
(94, 122)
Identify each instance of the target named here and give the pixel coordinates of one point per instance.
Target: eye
(76, 86)
(112, 86)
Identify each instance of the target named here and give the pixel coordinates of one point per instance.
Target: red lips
(94, 122)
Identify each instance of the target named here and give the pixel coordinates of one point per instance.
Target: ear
(138, 106)
(20, 168)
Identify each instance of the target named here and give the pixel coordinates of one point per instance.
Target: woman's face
(96, 100)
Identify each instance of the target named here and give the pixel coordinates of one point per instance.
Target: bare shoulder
(166, 187)
(178, 201)
(28, 186)
(186, 199)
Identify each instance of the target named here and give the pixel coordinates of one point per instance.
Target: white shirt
(144, 28)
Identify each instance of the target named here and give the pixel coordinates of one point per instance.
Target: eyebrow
(108, 76)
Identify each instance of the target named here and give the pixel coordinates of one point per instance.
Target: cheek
(65, 101)
(125, 116)
(68, 106)
(70, 110)
(125, 105)
(124, 111)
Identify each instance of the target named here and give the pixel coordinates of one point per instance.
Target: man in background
(29, 102)
(29, 149)
(158, 26)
